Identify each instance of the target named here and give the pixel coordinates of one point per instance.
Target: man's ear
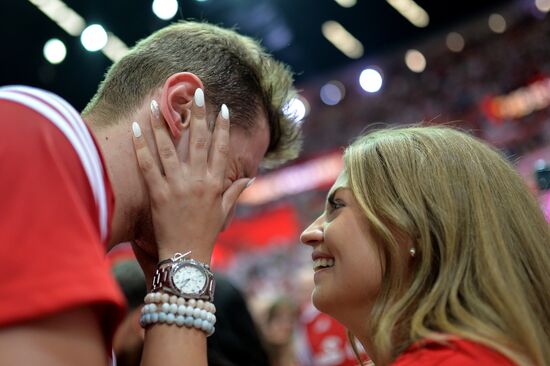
(175, 101)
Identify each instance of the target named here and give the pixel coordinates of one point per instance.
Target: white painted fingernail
(136, 130)
(155, 109)
(199, 97)
(225, 112)
(250, 182)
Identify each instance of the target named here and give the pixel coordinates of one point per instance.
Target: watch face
(189, 279)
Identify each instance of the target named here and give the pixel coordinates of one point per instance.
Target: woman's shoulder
(453, 352)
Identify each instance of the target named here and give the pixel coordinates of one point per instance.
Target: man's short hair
(234, 70)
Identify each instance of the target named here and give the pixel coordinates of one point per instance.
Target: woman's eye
(335, 203)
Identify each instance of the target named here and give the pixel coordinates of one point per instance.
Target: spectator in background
(431, 250)
(236, 341)
(128, 340)
(278, 329)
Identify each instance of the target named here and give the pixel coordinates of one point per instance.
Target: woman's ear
(175, 101)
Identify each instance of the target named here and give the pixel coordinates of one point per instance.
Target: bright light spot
(55, 51)
(540, 164)
(346, 3)
(415, 60)
(94, 38)
(340, 38)
(297, 108)
(370, 80)
(543, 5)
(165, 9)
(332, 92)
(201, 1)
(497, 23)
(115, 49)
(455, 42)
(62, 15)
(413, 12)
(74, 24)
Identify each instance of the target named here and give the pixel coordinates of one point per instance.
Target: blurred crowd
(452, 88)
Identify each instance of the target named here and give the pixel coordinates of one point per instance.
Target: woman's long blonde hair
(482, 266)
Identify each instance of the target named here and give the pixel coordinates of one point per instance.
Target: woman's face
(346, 260)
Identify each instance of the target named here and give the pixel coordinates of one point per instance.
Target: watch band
(161, 277)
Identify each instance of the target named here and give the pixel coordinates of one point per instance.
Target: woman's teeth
(322, 263)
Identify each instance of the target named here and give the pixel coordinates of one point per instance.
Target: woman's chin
(323, 302)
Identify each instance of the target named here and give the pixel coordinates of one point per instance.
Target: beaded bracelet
(179, 320)
(162, 308)
(179, 310)
(159, 298)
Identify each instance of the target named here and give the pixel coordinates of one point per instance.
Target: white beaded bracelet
(159, 298)
(184, 310)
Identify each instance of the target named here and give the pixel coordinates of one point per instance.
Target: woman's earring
(412, 251)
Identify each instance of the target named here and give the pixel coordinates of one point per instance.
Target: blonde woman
(432, 251)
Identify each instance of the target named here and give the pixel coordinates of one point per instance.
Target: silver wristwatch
(187, 278)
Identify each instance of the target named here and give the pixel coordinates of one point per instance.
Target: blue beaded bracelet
(189, 321)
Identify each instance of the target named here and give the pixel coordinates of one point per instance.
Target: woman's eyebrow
(332, 193)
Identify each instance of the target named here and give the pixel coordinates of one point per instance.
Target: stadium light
(343, 40)
(165, 9)
(94, 37)
(415, 61)
(332, 92)
(54, 51)
(346, 3)
(411, 11)
(370, 80)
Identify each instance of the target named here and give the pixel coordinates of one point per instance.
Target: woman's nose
(313, 234)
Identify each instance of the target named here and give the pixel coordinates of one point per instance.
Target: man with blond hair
(61, 178)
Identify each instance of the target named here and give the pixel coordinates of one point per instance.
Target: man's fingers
(165, 146)
(149, 169)
(219, 149)
(199, 135)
